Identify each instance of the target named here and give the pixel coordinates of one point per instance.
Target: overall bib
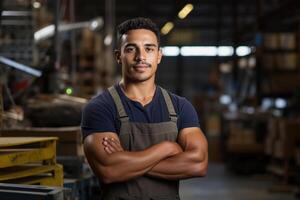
(136, 136)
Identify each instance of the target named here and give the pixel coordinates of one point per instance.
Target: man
(139, 139)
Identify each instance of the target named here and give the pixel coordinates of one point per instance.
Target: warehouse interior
(236, 61)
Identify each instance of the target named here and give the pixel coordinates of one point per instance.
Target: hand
(111, 145)
(173, 147)
(177, 148)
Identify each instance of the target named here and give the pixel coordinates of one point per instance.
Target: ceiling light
(167, 28)
(185, 11)
(225, 51)
(36, 4)
(199, 51)
(170, 51)
(243, 51)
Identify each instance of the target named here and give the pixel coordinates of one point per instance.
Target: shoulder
(187, 115)
(101, 102)
(180, 103)
(99, 115)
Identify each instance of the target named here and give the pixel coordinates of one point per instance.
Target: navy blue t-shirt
(100, 114)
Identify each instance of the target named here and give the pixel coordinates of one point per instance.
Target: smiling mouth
(142, 65)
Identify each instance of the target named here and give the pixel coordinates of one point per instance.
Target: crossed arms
(167, 160)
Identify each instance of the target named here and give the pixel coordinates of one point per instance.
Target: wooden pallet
(16, 151)
(51, 175)
(30, 160)
(69, 138)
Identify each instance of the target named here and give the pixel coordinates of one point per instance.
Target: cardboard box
(271, 41)
(287, 41)
(286, 61)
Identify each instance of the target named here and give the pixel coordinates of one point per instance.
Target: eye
(129, 49)
(149, 49)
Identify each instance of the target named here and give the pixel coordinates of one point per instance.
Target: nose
(140, 55)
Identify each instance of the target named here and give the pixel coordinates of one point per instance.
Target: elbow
(201, 166)
(107, 179)
(200, 169)
(203, 170)
(107, 175)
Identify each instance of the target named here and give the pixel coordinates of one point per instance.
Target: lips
(141, 67)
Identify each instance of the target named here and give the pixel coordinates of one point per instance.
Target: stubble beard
(134, 77)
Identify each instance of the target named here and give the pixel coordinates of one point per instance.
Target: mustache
(142, 63)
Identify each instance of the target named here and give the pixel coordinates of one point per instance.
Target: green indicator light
(69, 91)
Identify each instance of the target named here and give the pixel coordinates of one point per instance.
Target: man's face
(139, 55)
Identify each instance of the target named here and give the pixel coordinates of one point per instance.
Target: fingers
(115, 144)
(107, 146)
(108, 150)
(111, 145)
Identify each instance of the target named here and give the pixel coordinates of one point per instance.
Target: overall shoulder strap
(116, 97)
(170, 106)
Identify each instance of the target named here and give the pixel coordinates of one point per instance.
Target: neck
(142, 92)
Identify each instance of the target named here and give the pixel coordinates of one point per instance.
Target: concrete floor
(219, 184)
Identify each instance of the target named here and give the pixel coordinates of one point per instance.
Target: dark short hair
(137, 23)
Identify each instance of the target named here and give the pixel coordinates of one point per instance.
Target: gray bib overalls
(136, 136)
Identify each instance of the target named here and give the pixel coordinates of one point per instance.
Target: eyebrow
(134, 45)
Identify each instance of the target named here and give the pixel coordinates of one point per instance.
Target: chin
(140, 78)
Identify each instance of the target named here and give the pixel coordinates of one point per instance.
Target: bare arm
(123, 165)
(192, 162)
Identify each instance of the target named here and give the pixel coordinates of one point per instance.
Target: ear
(159, 55)
(118, 56)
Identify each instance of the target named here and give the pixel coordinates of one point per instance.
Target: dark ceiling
(221, 22)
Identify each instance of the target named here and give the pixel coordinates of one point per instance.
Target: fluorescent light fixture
(199, 51)
(108, 40)
(48, 31)
(185, 11)
(167, 28)
(20, 67)
(44, 33)
(225, 51)
(36, 4)
(280, 103)
(15, 13)
(94, 25)
(170, 51)
(225, 99)
(266, 103)
(206, 51)
(243, 51)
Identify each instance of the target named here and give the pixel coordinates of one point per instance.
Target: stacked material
(69, 149)
(17, 191)
(283, 148)
(29, 160)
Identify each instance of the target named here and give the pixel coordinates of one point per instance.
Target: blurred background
(236, 61)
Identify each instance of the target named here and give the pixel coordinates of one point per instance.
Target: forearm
(181, 166)
(125, 165)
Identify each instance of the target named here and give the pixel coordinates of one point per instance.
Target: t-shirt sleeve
(187, 115)
(97, 117)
